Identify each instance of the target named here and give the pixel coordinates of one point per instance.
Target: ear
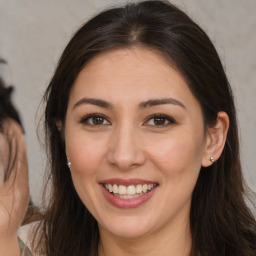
(59, 125)
(215, 139)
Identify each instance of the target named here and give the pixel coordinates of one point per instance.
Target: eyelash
(163, 117)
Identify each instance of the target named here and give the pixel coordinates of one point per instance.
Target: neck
(172, 240)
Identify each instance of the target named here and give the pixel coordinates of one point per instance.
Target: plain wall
(33, 33)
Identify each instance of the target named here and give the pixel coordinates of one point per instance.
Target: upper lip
(127, 182)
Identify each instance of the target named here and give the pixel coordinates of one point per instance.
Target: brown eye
(160, 120)
(95, 120)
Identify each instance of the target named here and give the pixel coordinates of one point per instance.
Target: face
(135, 138)
(14, 192)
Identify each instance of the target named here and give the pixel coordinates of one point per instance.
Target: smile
(130, 191)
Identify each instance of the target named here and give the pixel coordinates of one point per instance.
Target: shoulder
(24, 250)
(26, 234)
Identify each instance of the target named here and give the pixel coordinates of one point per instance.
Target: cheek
(85, 155)
(178, 155)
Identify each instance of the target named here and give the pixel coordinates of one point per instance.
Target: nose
(126, 150)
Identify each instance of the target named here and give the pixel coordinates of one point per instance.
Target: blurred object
(5, 72)
(3, 61)
(14, 190)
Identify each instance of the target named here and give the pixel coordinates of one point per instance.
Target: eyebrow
(142, 105)
(156, 102)
(92, 101)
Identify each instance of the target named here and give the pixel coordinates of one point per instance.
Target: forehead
(135, 59)
(133, 74)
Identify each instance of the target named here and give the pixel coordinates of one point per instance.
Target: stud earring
(68, 163)
(212, 159)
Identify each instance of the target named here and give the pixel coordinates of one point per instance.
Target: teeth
(130, 191)
(144, 188)
(138, 189)
(115, 189)
(121, 190)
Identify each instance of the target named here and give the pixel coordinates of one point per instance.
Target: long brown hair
(220, 221)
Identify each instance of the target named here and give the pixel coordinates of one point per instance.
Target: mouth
(130, 191)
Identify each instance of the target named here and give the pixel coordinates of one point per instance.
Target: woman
(143, 147)
(14, 192)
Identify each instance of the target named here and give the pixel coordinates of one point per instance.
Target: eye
(95, 120)
(160, 120)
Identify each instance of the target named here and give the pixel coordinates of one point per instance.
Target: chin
(128, 229)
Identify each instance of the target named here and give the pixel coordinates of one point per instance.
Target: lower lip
(127, 203)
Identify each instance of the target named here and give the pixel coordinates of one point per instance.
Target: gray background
(33, 34)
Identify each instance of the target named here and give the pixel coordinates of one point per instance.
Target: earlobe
(216, 139)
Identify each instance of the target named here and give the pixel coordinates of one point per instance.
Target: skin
(14, 193)
(128, 144)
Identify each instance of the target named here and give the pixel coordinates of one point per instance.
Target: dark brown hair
(7, 109)
(220, 221)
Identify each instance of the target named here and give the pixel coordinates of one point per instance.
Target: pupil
(159, 121)
(97, 120)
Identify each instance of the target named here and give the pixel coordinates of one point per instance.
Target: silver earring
(212, 159)
(68, 163)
